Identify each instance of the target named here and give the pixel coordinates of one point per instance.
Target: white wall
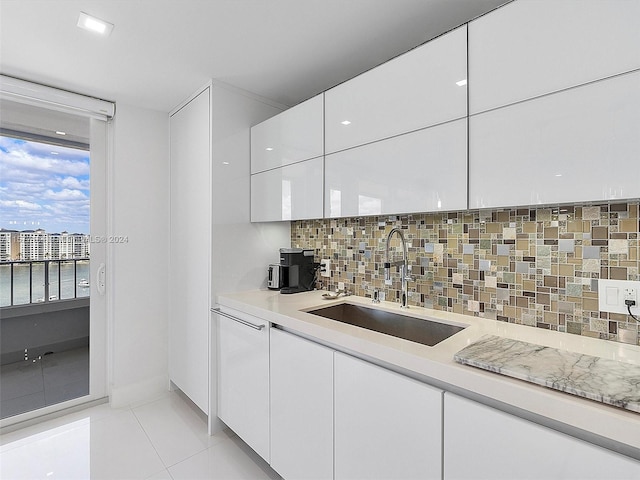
(139, 202)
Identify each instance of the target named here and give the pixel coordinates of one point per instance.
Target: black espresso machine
(296, 271)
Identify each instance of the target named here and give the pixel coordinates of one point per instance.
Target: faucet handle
(407, 274)
(398, 263)
(387, 273)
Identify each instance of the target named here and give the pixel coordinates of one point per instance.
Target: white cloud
(73, 182)
(20, 204)
(21, 189)
(53, 190)
(25, 161)
(13, 174)
(68, 208)
(65, 195)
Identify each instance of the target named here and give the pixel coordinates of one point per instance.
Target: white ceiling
(161, 51)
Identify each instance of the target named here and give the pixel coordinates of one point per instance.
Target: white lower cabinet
(481, 442)
(387, 426)
(301, 407)
(315, 413)
(243, 377)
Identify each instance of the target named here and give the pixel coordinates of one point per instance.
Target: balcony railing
(43, 281)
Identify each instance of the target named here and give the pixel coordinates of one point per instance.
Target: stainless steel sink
(414, 329)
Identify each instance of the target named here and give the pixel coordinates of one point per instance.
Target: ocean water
(63, 283)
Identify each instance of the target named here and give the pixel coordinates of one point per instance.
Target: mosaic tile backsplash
(532, 266)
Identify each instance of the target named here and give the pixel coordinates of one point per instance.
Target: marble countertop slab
(607, 381)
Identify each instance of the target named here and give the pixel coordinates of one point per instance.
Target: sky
(43, 186)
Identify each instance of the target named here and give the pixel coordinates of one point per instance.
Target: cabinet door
(532, 47)
(243, 377)
(483, 443)
(301, 407)
(386, 425)
(293, 192)
(412, 91)
(291, 136)
(422, 171)
(189, 254)
(578, 145)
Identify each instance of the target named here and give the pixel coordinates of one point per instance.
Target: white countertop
(437, 362)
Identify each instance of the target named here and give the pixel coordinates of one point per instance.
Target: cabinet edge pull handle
(236, 319)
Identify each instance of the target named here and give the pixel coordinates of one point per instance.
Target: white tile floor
(162, 439)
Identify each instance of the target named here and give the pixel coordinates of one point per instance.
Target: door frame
(99, 114)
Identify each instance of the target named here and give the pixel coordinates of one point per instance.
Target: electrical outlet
(612, 295)
(629, 294)
(325, 267)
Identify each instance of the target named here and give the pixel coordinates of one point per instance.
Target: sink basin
(418, 330)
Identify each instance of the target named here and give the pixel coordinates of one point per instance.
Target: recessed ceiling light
(225, 163)
(94, 24)
(462, 82)
(60, 133)
(558, 174)
(345, 122)
(268, 149)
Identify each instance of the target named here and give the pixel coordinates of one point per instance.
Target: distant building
(33, 245)
(69, 245)
(9, 245)
(39, 245)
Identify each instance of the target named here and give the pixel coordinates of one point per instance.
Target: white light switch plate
(611, 296)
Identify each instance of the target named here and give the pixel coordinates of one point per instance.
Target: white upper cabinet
(291, 136)
(292, 192)
(412, 91)
(577, 145)
(532, 47)
(421, 171)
